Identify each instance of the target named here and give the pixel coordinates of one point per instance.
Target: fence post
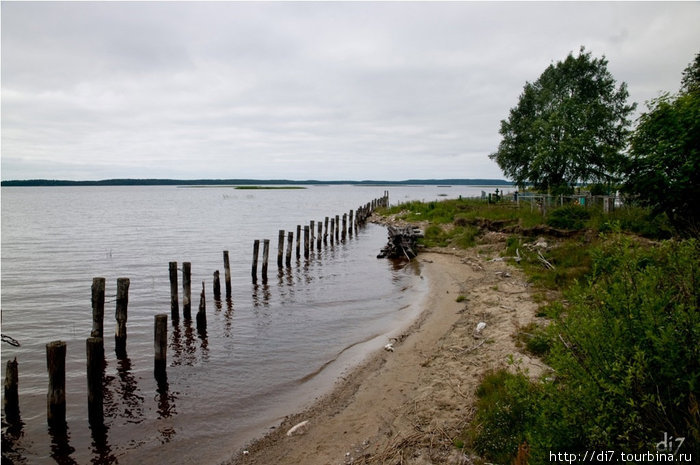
(325, 234)
(266, 255)
(306, 242)
(217, 286)
(280, 248)
(298, 253)
(187, 290)
(202, 312)
(174, 305)
(10, 399)
(94, 348)
(227, 275)
(256, 250)
(56, 397)
(121, 315)
(288, 258)
(160, 344)
(98, 307)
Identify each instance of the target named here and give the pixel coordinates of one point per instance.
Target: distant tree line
(248, 182)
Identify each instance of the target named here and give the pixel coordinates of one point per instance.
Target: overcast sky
(301, 90)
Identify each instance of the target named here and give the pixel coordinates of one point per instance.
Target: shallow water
(266, 353)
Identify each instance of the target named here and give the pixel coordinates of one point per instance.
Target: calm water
(266, 354)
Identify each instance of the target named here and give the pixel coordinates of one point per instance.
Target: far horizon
(232, 182)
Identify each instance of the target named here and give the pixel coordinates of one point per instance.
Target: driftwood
(402, 243)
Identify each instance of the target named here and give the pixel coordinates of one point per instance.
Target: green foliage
(569, 217)
(664, 168)
(568, 126)
(504, 409)
(534, 339)
(625, 357)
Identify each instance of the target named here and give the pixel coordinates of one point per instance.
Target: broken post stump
(121, 314)
(56, 396)
(187, 290)
(160, 344)
(98, 307)
(94, 349)
(174, 305)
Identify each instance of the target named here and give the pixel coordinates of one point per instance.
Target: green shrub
(569, 217)
(625, 357)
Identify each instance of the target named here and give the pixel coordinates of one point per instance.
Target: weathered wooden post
(288, 258)
(280, 247)
(337, 228)
(256, 250)
(10, 401)
(298, 241)
(94, 348)
(227, 275)
(311, 234)
(217, 286)
(174, 305)
(350, 223)
(332, 229)
(306, 242)
(325, 234)
(202, 312)
(121, 316)
(56, 397)
(266, 254)
(187, 290)
(345, 225)
(160, 344)
(319, 235)
(98, 307)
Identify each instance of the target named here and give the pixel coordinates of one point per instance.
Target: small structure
(402, 243)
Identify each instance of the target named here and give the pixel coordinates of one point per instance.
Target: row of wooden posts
(56, 350)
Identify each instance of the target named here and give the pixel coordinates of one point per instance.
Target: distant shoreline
(248, 182)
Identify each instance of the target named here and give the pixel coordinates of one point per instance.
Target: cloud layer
(300, 90)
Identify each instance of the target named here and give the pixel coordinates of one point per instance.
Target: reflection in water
(12, 433)
(131, 402)
(102, 451)
(228, 318)
(257, 301)
(61, 449)
(164, 398)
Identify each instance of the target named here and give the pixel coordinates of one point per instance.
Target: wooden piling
(160, 343)
(311, 234)
(337, 228)
(254, 269)
(98, 307)
(56, 397)
(227, 275)
(350, 223)
(202, 312)
(94, 348)
(288, 258)
(266, 254)
(280, 247)
(121, 314)
(306, 242)
(298, 241)
(217, 286)
(319, 235)
(174, 305)
(345, 225)
(10, 399)
(325, 234)
(332, 229)
(187, 290)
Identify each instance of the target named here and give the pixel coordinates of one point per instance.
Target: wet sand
(408, 405)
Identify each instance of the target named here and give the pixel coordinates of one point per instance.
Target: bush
(569, 217)
(625, 357)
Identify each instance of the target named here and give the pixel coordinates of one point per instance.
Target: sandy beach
(407, 405)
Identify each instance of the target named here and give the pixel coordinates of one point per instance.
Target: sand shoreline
(411, 403)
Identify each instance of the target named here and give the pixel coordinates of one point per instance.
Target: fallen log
(403, 242)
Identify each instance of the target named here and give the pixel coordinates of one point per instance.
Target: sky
(301, 90)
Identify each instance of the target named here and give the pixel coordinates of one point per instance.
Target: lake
(268, 352)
